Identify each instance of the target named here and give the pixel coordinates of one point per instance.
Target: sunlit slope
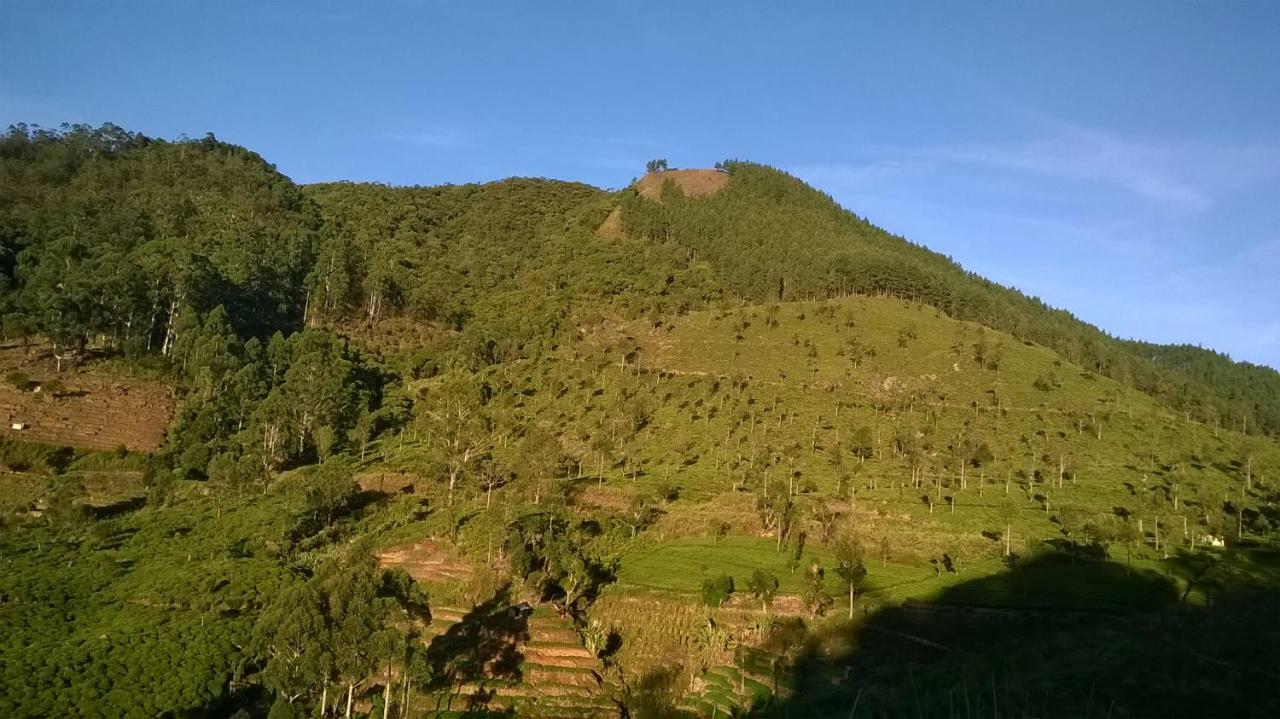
(884, 403)
(770, 236)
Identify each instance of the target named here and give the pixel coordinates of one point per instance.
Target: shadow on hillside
(479, 650)
(1050, 638)
(117, 508)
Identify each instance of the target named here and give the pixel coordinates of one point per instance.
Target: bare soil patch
(427, 562)
(387, 482)
(92, 409)
(693, 183)
(611, 228)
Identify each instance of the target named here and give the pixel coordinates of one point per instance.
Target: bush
(38, 458)
(716, 590)
(19, 380)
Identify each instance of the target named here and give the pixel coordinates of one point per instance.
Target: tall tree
(849, 555)
(452, 415)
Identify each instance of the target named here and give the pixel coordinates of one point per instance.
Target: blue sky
(1120, 160)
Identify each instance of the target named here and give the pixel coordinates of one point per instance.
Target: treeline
(1252, 388)
(502, 266)
(253, 408)
(197, 256)
(112, 239)
(770, 236)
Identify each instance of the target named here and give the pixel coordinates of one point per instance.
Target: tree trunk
(351, 690)
(851, 600)
(386, 700)
(169, 332)
(324, 698)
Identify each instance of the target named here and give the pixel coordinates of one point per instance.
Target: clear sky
(1117, 159)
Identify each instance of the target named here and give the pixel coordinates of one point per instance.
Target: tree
(324, 437)
(320, 384)
(1130, 535)
(1008, 515)
(716, 590)
(549, 553)
(815, 595)
(539, 456)
(848, 554)
(862, 443)
(826, 516)
(356, 608)
(640, 514)
(493, 474)
(763, 586)
(777, 511)
(362, 432)
(330, 489)
(296, 639)
(452, 418)
(653, 166)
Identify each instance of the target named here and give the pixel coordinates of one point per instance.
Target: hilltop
(691, 183)
(736, 448)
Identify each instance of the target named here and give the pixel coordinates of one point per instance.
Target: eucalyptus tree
(849, 565)
(452, 415)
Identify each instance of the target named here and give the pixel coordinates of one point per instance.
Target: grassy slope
(1138, 438)
(691, 364)
(686, 445)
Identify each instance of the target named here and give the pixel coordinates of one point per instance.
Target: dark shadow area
(116, 509)
(247, 700)
(480, 649)
(1051, 637)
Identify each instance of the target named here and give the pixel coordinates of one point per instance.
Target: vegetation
(449, 451)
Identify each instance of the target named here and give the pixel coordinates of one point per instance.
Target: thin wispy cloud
(1182, 176)
(1105, 224)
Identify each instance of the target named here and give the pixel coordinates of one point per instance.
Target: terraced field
(495, 656)
(80, 407)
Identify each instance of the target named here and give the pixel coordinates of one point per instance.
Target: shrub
(716, 590)
(19, 380)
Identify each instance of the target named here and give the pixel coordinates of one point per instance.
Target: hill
(457, 450)
(691, 183)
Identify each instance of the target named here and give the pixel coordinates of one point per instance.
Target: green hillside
(740, 452)
(771, 237)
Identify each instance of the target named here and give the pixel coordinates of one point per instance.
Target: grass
(680, 565)
(724, 414)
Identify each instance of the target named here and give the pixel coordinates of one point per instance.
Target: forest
(534, 448)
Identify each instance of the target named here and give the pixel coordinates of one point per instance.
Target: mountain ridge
(444, 254)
